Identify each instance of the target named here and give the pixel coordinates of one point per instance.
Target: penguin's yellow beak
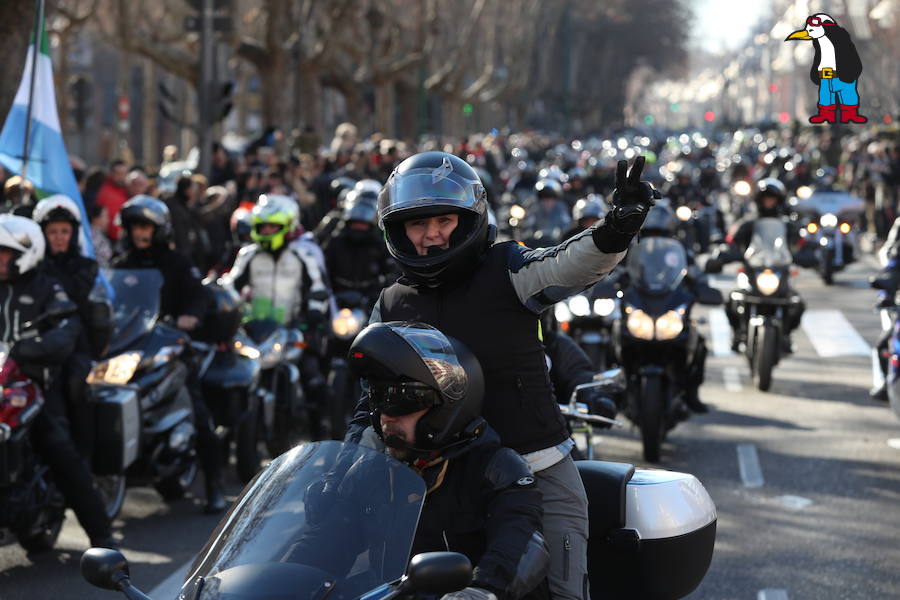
(799, 35)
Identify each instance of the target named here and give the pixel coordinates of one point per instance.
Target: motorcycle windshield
(137, 305)
(657, 265)
(326, 518)
(768, 247)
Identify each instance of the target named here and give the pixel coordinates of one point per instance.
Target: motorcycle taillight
(17, 393)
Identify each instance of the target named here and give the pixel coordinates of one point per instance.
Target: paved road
(822, 521)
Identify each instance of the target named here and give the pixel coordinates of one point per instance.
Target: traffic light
(81, 92)
(220, 101)
(648, 119)
(167, 103)
(710, 116)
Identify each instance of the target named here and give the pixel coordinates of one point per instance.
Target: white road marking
(772, 594)
(794, 502)
(894, 443)
(748, 464)
(732, 378)
(831, 334)
(171, 585)
(719, 332)
(877, 375)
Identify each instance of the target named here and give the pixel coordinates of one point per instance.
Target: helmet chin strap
(434, 250)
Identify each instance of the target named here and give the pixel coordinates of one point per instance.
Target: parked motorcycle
(338, 520)
(656, 338)
(32, 509)
(141, 387)
(352, 316)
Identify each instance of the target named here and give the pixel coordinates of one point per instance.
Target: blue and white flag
(48, 165)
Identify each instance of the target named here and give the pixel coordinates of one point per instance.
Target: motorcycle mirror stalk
(108, 569)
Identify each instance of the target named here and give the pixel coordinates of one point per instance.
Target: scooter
(652, 534)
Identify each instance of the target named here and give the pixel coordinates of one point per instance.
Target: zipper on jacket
(567, 550)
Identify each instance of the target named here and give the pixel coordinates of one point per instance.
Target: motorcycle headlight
(684, 213)
(640, 324)
(117, 370)
(516, 212)
(346, 324)
(604, 306)
(246, 350)
(669, 325)
(562, 313)
(162, 356)
(580, 306)
(829, 220)
(741, 188)
(845, 228)
(767, 282)
(812, 227)
(804, 192)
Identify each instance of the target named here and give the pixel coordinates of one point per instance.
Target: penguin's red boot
(826, 114)
(849, 114)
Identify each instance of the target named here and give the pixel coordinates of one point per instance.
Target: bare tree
(16, 23)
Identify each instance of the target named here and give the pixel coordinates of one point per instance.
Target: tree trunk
(311, 100)
(274, 105)
(16, 25)
(384, 108)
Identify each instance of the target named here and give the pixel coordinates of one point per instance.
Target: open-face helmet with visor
(273, 209)
(148, 210)
(427, 185)
(56, 209)
(412, 367)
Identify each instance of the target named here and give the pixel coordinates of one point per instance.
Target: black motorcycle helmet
(426, 185)
(548, 188)
(770, 187)
(660, 221)
(338, 185)
(413, 366)
(146, 209)
(223, 319)
(591, 206)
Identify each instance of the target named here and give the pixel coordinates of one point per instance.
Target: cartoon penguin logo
(835, 69)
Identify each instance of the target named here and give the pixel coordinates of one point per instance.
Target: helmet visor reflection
(422, 188)
(438, 355)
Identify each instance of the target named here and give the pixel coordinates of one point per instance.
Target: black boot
(879, 393)
(215, 496)
(692, 399)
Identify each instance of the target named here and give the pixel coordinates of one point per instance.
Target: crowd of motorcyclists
(371, 230)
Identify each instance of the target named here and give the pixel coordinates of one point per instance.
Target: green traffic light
(648, 119)
(467, 109)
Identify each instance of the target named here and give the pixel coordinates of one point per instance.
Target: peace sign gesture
(632, 199)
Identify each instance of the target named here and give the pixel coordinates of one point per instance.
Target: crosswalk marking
(720, 332)
(748, 465)
(831, 334)
(772, 594)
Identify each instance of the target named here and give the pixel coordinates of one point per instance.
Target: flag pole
(38, 22)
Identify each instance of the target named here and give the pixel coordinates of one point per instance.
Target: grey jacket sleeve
(545, 276)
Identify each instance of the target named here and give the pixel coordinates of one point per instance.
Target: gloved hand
(632, 198)
(470, 593)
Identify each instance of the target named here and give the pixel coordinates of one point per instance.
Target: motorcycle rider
(427, 392)
(770, 201)
(551, 213)
(339, 188)
(60, 220)
(887, 283)
(433, 213)
(286, 283)
(357, 258)
(586, 212)
(147, 227)
(42, 326)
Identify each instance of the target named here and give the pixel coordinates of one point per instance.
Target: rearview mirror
(437, 573)
(104, 568)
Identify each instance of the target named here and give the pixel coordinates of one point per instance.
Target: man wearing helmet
(28, 293)
(60, 220)
(586, 212)
(551, 213)
(147, 229)
(482, 499)
(356, 257)
(285, 280)
(433, 212)
(770, 202)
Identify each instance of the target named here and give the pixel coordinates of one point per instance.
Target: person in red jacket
(113, 194)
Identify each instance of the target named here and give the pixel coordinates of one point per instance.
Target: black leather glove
(632, 200)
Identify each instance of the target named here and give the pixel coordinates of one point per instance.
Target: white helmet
(44, 210)
(25, 237)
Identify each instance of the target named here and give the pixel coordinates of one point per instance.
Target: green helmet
(273, 210)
